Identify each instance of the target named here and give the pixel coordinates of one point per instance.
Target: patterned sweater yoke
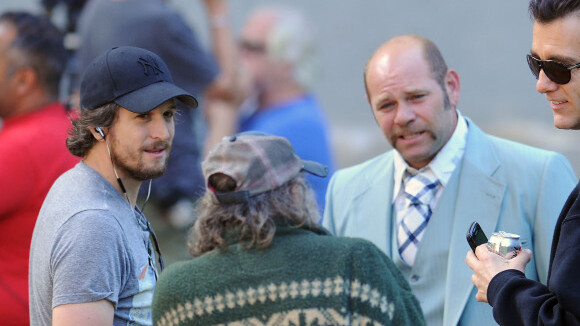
(306, 277)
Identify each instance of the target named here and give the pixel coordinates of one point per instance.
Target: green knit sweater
(306, 277)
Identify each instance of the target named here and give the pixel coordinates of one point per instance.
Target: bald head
(413, 97)
(405, 45)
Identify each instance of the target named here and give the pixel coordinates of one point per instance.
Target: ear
(452, 86)
(96, 134)
(25, 80)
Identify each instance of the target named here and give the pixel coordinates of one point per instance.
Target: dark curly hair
(39, 45)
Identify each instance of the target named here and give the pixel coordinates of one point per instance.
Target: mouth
(558, 105)
(156, 151)
(554, 101)
(409, 136)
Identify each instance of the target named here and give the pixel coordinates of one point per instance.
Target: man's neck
(98, 159)
(30, 103)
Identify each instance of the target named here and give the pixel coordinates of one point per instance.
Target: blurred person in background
(154, 25)
(516, 298)
(32, 145)
(276, 49)
(72, 8)
(261, 257)
(416, 202)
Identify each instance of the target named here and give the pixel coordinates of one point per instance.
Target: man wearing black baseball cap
(92, 261)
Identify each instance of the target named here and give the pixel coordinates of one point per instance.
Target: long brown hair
(293, 202)
(81, 139)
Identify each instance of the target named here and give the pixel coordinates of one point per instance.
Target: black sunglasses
(559, 73)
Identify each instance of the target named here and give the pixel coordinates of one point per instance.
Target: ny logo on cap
(149, 64)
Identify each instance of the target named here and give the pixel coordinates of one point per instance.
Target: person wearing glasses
(417, 201)
(516, 297)
(276, 49)
(91, 259)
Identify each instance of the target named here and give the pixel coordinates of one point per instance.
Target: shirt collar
(443, 164)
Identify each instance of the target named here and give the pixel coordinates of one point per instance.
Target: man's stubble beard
(139, 172)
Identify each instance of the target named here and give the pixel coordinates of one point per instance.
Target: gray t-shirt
(89, 244)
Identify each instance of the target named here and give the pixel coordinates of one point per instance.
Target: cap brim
(315, 168)
(151, 96)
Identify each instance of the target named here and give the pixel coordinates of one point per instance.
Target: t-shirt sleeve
(89, 260)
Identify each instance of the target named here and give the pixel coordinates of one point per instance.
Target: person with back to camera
(91, 259)
(32, 145)
(416, 201)
(516, 298)
(261, 258)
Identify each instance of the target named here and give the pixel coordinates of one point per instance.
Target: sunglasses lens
(534, 66)
(557, 72)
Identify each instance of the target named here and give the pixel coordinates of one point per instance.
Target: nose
(545, 84)
(160, 128)
(404, 115)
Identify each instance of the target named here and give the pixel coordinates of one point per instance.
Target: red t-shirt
(33, 154)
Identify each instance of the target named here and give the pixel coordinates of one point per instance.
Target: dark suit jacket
(517, 300)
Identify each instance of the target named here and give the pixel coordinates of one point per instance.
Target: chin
(146, 174)
(566, 124)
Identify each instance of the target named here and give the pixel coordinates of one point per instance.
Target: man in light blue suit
(499, 183)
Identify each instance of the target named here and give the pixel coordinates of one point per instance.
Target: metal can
(505, 244)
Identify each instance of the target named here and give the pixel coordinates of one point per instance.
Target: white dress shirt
(442, 165)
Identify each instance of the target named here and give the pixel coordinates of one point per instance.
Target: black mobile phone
(475, 236)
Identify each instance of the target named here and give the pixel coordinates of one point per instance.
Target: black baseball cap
(134, 78)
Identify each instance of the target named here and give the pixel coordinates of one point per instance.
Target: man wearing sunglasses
(516, 299)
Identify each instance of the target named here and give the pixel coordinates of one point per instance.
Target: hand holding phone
(475, 236)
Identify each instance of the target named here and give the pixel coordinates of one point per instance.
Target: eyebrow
(411, 91)
(558, 58)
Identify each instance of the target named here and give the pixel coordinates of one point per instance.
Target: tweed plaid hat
(258, 162)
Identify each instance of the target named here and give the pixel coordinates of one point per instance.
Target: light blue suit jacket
(501, 184)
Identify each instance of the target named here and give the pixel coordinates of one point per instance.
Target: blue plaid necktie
(419, 191)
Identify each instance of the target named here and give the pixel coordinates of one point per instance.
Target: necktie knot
(420, 187)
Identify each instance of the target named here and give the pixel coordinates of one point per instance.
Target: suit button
(414, 278)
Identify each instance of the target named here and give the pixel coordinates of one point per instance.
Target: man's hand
(487, 264)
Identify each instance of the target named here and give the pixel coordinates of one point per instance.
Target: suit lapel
(479, 198)
(372, 207)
